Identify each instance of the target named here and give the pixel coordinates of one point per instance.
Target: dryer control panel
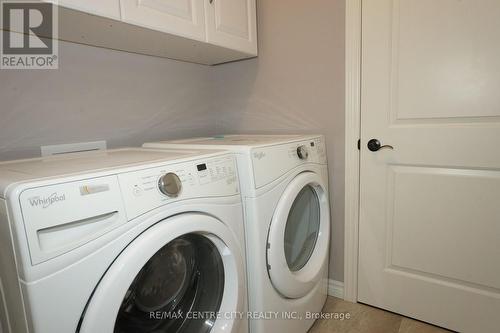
(148, 189)
(272, 162)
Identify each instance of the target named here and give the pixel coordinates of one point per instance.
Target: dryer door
(299, 236)
(177, 276)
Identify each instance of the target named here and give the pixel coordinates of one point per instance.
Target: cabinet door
(178, 17)
(106, 8)
(232, 24)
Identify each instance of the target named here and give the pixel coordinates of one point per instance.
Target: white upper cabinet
(232, 24)
(200, 31)
(106, 8)
(179, 17)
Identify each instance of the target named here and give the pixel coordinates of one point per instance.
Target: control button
(302, 152)
(137, 190)
(170, 185)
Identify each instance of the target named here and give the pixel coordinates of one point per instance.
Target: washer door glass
(178, 290)
(302, 228)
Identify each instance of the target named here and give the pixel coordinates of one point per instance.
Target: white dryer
(284, 183)
(128, 240)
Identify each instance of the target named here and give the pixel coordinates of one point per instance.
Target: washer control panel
(147, 189)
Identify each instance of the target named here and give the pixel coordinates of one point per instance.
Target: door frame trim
(352, 154)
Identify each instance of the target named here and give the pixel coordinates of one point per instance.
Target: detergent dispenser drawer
(59, 218)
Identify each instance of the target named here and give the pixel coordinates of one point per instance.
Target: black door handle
(375, 145)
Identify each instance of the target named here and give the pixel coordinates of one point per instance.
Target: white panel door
(106, 8)
(179, 17)
(232, 24)
(429, 238)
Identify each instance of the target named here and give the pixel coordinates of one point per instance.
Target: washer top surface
(76, 163)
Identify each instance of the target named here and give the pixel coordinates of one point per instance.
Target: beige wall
(99, 94)
(296, 85)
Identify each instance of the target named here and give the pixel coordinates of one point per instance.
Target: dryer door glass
(298, 238)
(302, 228)
(182, 280)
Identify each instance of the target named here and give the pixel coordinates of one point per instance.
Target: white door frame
(352, 135)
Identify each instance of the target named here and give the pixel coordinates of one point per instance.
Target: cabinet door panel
(179, 17)
(232, 24)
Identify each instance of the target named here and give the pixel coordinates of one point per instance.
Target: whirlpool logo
(259, 155)
(46, 201)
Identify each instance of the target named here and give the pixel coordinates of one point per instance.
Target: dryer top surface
(241, 141)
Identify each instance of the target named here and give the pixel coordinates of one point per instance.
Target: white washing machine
(128, 240)
(284, 183)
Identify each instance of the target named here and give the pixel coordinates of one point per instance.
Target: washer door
(184, 274)
(299, 236)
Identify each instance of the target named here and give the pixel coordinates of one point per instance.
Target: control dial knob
(170, 185)
(302, 152)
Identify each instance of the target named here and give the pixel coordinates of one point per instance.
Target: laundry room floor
(367, 319)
